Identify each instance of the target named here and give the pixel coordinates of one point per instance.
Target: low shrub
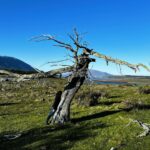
(144, 90)
(90, 98)
(138, 105)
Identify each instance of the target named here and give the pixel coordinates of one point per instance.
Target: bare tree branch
(135, 67)
(49, 37)
(75, 40)
(53, 65)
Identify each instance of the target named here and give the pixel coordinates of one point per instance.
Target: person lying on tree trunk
(54, 106)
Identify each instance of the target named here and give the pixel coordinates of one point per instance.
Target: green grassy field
(24, 107)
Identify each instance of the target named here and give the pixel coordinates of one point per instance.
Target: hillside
(14, 64)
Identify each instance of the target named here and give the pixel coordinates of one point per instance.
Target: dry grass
(22, 110)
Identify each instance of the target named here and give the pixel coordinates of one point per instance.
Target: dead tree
(82, 59)
(77, 78)
(79, 72)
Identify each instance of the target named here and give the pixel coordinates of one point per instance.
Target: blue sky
(117, 28)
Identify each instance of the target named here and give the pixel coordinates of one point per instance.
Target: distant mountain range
(94, 75)
(15, 65)
(98, 75)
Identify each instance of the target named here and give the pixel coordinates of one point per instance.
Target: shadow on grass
(115, 96)
(59, 137)
(143, 106)
(109, 103)
(9, 104)
(48, 138)
(95, 116)
(138, 106)
(107, 113)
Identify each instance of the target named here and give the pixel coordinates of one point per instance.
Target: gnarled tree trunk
(62, 113)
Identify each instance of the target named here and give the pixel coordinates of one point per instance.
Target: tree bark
(62, 113)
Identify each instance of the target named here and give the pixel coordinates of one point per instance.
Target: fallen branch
(145, 127)
(9, 73)
(20, 77)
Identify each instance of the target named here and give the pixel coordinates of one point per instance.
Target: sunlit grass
(24, 107)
